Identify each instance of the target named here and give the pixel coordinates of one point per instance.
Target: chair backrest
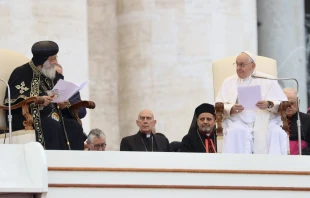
(9, 60)
(224, 68)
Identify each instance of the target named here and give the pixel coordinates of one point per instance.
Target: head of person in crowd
(96, 140)
(291, 95)
(146, 121)
(245, 64)
(205, 118)
(45, 57)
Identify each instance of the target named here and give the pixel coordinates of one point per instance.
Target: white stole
(260, 132)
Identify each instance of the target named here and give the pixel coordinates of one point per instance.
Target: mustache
(206, 127)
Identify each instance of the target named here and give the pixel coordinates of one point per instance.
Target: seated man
(75, 98)
(145, 140)
(96, 140)
(291, 114)
(241, 125)
(35, 79)
(201, 137)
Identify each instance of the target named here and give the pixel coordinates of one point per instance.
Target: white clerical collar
(246, 79)
(245, 82)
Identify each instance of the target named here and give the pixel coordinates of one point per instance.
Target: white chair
(9, 61)
(224, 68)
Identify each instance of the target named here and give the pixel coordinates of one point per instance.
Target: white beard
(48, 70)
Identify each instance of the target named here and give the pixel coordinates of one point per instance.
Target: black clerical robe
(141, 142)
(305, 129)
(194, 142)
(27, 81)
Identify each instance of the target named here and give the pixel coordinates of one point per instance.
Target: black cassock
(195, 142)
(305, 129)
(142, 142)
(27, 81)
(199, 142)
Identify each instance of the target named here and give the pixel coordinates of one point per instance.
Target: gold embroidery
(6, 101)
(22, 88)
(35, 110)
(34, 68)
(49, 83)
(37, 123)
(55, 116)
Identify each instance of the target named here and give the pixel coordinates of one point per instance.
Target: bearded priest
(35, 79)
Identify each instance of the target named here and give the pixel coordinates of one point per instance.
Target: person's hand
(263, 104)
(47, 100)
(85, 145)
(64, 104)
(237, 108)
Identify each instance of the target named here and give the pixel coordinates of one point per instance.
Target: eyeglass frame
(103, 145)
(241, 65)
(293, 103)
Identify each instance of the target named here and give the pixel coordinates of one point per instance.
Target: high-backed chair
(224, 68)
(9, 61)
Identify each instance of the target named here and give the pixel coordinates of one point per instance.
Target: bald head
(146, 112)
(290, 92)
(291, 95)
(146, 121)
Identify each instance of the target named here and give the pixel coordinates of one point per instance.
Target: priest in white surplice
(252, 131)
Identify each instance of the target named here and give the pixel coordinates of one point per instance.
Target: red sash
(210, 148)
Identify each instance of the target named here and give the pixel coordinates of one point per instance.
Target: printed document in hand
(248, 96)
(63, 90)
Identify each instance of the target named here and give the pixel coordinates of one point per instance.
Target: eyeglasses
(293, 103)
(98, 146)
(148, 118)
(242, 65)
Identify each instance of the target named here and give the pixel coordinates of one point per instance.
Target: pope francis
(250, 131)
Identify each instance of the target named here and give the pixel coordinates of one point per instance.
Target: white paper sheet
(63, 90)
(248, 96)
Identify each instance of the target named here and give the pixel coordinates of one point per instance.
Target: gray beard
(206, 129)
(49, 72)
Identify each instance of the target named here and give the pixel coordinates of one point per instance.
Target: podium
(23, 171)
(81, 174)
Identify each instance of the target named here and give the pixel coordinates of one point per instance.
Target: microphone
(297, 103)
(10, 114)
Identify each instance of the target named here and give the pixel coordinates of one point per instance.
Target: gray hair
(95, 133)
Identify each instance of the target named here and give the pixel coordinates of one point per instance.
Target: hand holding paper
(263, 104)
(248, 96)
(64, 90)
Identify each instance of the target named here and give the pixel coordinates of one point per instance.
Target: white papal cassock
(253, 131)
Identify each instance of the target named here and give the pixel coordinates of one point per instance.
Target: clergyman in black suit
(145, 140)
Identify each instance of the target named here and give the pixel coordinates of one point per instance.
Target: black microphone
(10, 114)
(298, 117)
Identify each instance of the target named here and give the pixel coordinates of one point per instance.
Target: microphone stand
(10, 114)
(298, 116)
